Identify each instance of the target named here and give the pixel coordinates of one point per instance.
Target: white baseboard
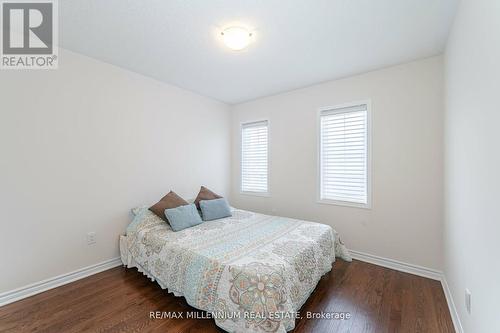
(397, 265)
(38, 287)
(416, 270)
(451, 305)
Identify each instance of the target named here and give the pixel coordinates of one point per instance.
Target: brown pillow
(171, 200)
(205, 194)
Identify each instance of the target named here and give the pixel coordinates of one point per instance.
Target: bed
(251, 272)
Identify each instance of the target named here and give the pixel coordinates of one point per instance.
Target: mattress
(251, 272)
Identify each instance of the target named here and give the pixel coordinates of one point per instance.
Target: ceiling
(297, 42)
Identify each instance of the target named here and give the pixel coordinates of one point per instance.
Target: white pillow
(137, 210)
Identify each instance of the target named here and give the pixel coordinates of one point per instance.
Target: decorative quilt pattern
(252, 272)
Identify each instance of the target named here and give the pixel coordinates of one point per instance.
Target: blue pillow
(214, 209)
(183, 217)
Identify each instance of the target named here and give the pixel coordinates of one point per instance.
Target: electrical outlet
(468, 300)
(91, 238)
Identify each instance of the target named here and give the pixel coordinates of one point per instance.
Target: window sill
(256, 194)
(344, 203)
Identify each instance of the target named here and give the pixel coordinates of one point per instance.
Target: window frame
(252, 193)
(369, 140)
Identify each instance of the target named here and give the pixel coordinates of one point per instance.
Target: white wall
(405, 222)
(82, 145)
(472, 186)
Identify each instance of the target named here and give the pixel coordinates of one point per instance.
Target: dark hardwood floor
(120, 300)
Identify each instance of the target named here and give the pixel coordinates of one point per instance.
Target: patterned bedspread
(251, 272)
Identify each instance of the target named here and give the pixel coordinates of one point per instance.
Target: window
(344, 155)
(254, 157)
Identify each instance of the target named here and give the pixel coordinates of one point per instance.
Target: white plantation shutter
(344, 154)
(254, 157)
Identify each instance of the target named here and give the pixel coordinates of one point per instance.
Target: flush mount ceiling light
(236, 38)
